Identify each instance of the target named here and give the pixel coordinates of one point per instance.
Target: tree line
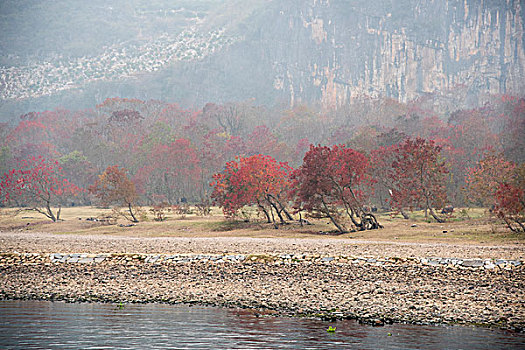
(375, 153)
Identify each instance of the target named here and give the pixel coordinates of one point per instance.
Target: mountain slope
(277, 51)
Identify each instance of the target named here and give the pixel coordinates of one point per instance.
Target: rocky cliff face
(294, 51)
(338, 50)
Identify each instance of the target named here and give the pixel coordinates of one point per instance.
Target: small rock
(473, 263)
(377, 323)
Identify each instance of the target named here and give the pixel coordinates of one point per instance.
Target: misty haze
(352, 163)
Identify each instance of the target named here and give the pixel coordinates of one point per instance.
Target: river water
(58, 325)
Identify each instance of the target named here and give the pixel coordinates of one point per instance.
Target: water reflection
(33, 324)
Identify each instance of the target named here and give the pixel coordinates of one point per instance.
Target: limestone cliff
(339, 50)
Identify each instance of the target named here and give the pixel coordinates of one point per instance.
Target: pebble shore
(393, 286)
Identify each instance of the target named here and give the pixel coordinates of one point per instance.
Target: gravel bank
(400, 292)
(374, 294)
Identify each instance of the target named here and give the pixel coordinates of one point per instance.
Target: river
(59, 325)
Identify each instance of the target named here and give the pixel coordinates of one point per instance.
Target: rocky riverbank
(377, 290)
(7, 259)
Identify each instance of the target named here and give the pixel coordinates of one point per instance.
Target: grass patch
(476, 228)
(459, 214)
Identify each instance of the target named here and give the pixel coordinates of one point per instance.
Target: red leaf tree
(510, 200)
(485, 178)
(500, 184)
(37, 184)
(257, 180)
(381, 160)
(263, 141)
(114, 187)
(334, 183)
(172, 171)
(419, 176)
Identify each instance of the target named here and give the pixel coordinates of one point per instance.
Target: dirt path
(34, 242)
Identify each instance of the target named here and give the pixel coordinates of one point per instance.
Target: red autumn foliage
(37, 184)
(263, 141)
(138, 135)
(257, 180)
(172, 170)
(334, 178)
(418, 176)
(485, 178)
(509, 199)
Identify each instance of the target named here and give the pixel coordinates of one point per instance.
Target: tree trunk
(438, 219)
(269, 220)
(273, 219)
(520, 224)
(282, 208)
(349, 212)
(50, 212)
(404, 214)
(168, 190)
(273, 205)
(131, 213)
(288, 215)
(509, 225)
(369, 222)
(330, 216)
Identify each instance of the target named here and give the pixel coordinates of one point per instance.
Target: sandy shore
(392, 293)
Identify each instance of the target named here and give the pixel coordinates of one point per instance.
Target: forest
(342, 164)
